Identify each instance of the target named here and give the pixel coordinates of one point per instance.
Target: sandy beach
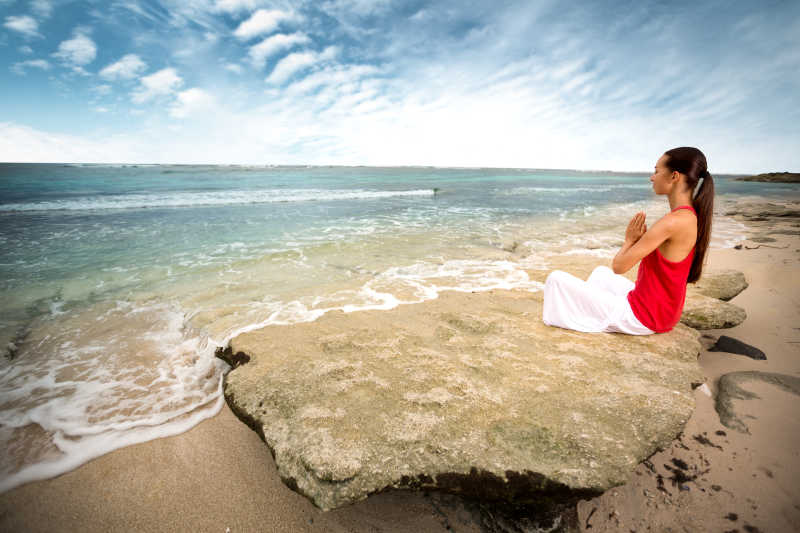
(219, 476)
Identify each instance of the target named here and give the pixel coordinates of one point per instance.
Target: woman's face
(662, 177)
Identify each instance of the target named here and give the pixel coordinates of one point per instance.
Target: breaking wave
(208, 198)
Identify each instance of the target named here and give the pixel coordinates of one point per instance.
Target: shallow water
(118, 283)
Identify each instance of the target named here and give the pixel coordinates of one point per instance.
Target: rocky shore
(773, 177)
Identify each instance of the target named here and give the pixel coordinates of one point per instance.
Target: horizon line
(302, 165)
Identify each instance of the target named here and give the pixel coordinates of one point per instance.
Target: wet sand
(220, 475)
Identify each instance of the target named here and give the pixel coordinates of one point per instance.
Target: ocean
(119, 282)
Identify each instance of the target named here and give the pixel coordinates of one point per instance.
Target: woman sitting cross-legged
(671, 253)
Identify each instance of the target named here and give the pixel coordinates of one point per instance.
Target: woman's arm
(639, 241)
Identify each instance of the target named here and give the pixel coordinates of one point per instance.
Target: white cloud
(164, 82)
(332, 76)
(25, 49)
(275, 43)
(20, 67)
(359, 7)
(101, 90)
(232, 6)
(78, 51)
(146, 12)
(298, 61)
(262, 21)
(234, 67)
(291, 64)
(23, 24)
(42, 8)
(128, 67)
(422, 14)
(191, 101)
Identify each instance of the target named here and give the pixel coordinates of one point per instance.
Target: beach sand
(219, 476)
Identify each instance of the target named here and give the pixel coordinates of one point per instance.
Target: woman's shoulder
(682, 224)
(677, 221)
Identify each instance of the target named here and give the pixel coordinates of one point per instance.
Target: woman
(671, 251)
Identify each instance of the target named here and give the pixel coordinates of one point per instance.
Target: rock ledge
(469, 393)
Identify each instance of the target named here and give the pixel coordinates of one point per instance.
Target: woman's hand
(636, 228)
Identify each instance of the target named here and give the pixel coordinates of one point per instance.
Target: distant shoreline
(773, 177)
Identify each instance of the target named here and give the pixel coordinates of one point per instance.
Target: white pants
(599, 304)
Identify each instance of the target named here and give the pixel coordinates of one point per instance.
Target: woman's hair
(692, 163)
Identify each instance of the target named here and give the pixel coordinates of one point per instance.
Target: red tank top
(657, 299)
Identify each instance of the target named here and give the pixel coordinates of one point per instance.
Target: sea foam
(99, 379)
(207, 198)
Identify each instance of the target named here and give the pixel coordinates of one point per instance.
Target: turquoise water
(119, 282)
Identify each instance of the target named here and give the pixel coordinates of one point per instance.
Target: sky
(535, 84)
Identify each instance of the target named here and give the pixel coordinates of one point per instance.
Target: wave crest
(208, 198)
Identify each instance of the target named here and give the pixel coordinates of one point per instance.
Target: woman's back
(683, 240)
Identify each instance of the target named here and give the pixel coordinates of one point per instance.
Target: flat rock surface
(705, 312)
(764, 210)
(721, 284)
(468, 393)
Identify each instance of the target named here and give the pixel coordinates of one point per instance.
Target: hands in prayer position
(636, 228)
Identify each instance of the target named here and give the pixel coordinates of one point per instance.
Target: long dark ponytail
(692, 163)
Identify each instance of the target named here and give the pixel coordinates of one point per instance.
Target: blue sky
(587, 85)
